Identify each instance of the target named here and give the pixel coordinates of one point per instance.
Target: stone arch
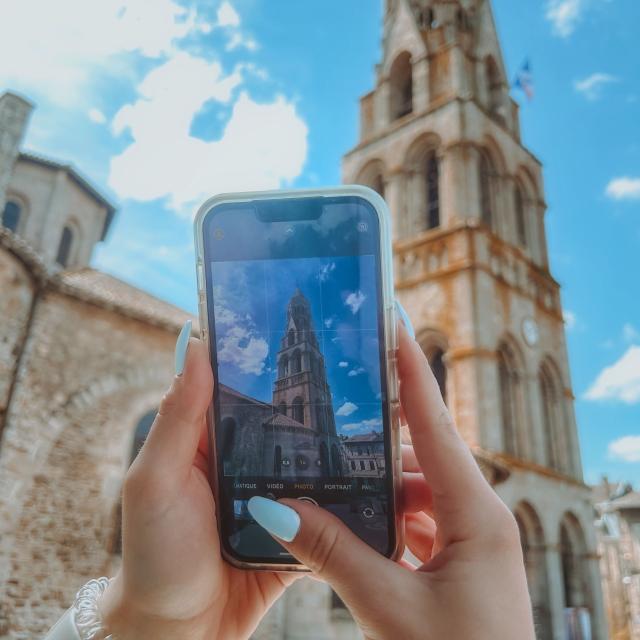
(555, 436)
(574, 559)
(401, 86)
(512, 397)
(534, 546)
(424, 193)
(435, 346)
(373, 175)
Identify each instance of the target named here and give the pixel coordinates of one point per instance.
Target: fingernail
(182, 343)
(278, 519)
(406, 321)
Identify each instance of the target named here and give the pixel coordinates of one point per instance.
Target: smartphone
(297, 309)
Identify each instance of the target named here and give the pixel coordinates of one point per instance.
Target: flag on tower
(524, 80)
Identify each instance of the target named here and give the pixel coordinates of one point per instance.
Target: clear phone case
(390, 333)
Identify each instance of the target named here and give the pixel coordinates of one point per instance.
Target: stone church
(295, 436)
(83, 354)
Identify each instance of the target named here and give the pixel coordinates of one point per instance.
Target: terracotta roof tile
(109, 292)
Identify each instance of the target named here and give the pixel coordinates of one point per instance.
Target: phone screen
(298, 349)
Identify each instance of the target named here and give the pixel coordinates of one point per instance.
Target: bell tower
(440, 141)
(301, 390)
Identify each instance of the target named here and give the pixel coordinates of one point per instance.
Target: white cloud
(95, 115)
(624, 188)
(343, 364)
(564, 15)
(620, 381)
(356, 372)
(591, 86)
(355, 300)
(263, 146)
(347, 409)
(630, 333)
(363, 425)
(227, 16)
(626, 448)
(569, 319)
(239, 39)
(57, 48)
(247, 352)
(326, 270)
(328, 323)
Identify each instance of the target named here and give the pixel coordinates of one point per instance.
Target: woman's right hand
(472, 582)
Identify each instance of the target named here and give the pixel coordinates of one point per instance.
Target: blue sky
(161, 103)
(250, 303)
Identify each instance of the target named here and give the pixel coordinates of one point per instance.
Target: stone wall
(86, 377)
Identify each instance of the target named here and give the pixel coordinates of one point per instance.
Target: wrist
(124, 619)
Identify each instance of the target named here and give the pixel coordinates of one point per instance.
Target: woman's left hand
(173, 582)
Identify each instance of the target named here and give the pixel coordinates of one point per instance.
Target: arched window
(433, 191)
(282, 408)
(521, 227)
(511, 404)
(486, 176)
(283, 366)
(553, 421)
(401, 86)
(296, 362)
(64, 248)
(575, 580)
(11, 216)
(436, 360)
(320, 421)
(494, 87)
(426, 18)
(291, 337)
(533, 550)
(297, 409)
(139, 436)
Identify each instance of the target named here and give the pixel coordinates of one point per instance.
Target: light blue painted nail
(182, 344)
(406, 321)
(278, 519)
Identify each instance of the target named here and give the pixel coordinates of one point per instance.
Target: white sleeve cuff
(64, 629)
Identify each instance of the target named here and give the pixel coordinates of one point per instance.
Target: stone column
(556, 592)
(395, 195)
(598, 616)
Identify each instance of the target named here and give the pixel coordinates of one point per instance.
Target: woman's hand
(472, 582)
(173, 582)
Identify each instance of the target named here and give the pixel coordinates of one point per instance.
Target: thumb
(364, 579)
(172, 443)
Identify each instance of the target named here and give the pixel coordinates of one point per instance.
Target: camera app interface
(299, 392)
